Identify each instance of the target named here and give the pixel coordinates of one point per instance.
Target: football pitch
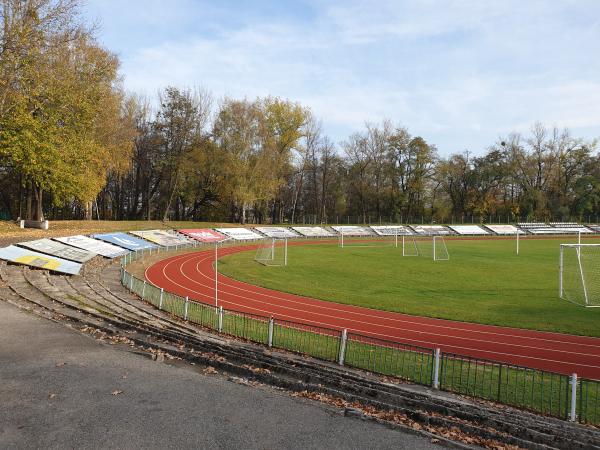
(484, 281)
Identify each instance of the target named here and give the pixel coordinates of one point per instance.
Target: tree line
(74, 144)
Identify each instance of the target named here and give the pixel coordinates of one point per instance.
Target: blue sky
(459, 73)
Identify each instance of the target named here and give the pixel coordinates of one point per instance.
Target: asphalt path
(57, 385)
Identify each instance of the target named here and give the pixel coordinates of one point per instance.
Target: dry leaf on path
(116, 392)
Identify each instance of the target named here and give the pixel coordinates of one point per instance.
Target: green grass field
(484, 281)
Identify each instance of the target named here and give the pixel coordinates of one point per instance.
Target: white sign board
(58, 249)
(93, 245)
(313, 231)
(277, 232)
(30, 258)
(161, 237)
(468, 230)
(504, 230)
(239, 234)
(431, 229)
(352, 230)
(391, 230)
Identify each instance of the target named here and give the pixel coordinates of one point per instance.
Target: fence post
(573, 412)
(343, 340)
(185, 308)
(131, 283)
(143, 289)
(270, 339)
(436, 369)
(161, 298)
(220, 319)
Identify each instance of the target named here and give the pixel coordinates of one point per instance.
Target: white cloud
(457, 72)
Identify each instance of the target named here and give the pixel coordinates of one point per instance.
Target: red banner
(203, 234)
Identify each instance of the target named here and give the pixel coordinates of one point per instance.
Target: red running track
(192, 275)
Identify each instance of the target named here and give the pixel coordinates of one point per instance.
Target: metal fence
(540, 391)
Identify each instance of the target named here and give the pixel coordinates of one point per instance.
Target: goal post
(579, 274)
(433, 247)
(440, 251)
(272, 252)
(409, 246)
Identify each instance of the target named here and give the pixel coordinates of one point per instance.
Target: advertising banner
(161, 237)
(467, 230)
(504, 229)
(124, 240)
(431, 229)
(27, 257)
(313, 231)
(93, 245)
(391, 230)
(239, 234)
(58, 249)
(277, 232)
(203, 234)
(352, 230)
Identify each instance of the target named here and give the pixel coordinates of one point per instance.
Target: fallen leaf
(116, 392)
(60, 364)
(210, 370)
(51, 396)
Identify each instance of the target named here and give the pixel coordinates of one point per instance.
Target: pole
(518, 233)
(573, 412)
(216, 274)
(560, 273)
(285, 252)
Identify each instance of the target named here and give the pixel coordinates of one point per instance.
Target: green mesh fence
(323, 343)
(536, 390)
(588, 402)
(390, 358)
(246, 326)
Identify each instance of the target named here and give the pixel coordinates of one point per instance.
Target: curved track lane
(193, 275)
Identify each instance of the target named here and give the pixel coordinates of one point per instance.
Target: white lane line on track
(382, 317)
(296, 299)
(359, 330)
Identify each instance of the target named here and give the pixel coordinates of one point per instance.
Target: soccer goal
(433, 247)
(272, 252)
(579, 280)
(388, 240)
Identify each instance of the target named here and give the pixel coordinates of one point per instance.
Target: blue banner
(124, 240)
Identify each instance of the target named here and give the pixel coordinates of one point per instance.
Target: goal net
(390, 240)
(580, 274)
(272, 252)
(433, 247)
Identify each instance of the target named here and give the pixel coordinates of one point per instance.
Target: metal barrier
(539, 391)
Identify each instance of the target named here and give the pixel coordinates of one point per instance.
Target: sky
(460, 73)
